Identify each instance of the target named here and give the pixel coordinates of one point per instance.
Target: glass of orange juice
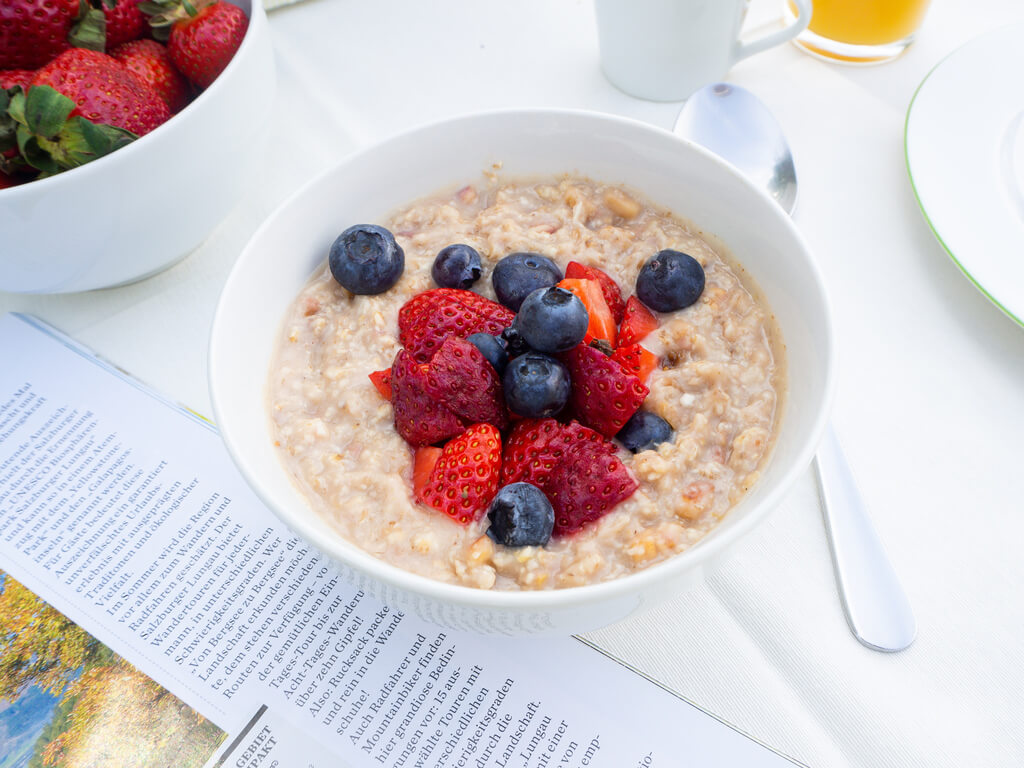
(860, 31)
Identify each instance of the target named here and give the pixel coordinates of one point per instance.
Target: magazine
(154, 613)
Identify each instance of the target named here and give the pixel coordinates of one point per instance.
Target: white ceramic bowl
(140, 209)
(373, 183)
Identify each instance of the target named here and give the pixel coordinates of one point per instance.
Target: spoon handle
(876, 607)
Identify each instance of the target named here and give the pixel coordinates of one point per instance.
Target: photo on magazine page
(67, 700)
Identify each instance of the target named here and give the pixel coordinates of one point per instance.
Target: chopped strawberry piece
(604, 395)
(535, 445)
(637, 360)
(382, 381)
(585, 485)
(419, 418)
(423, 462)
(460, 377)
(426, 320)
(637, 323)
(609, 288)
(602, 324)
(465, 478)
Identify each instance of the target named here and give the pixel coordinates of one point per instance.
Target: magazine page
(128, 519)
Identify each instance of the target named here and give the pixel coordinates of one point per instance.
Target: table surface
(930, 404)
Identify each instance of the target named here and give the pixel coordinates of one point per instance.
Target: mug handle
(798, 25)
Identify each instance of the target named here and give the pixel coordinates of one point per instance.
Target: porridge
(708, 377)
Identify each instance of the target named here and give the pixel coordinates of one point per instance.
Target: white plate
(965, 155)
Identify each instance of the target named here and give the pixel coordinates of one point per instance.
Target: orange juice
(865, 30)
(867, 22)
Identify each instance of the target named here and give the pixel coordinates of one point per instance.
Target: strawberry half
(460, 377)
(426, 320)
(419, 418)
(585, 485)
(637, 322)
(609, 288)
(535, 446)
(637, 360)
(604, 395)
(465, 478)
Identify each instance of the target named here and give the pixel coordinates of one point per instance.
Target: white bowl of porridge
(741, 378)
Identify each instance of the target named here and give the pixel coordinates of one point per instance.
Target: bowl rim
(257, 20)
(636, 583)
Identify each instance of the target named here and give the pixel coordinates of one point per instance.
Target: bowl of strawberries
(112, 114)
(546, 373)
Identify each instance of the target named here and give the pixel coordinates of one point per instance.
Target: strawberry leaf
(49, 139)
(34, 154)
(46, 110)
(90, 31)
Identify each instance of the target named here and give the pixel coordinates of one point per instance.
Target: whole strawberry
(124, 22)
(151, 61)
(202, 36)
(12, 77)
(104, 91)
(34, 31)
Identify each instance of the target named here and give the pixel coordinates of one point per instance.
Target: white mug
(664, 50)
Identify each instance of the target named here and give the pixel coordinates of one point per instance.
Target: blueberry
(670, 280)
(491, 348)
(366, 259)
(536, 385)
(552, 320)
(456, 266)
(643, 431)
(515, 344)
(519, 274)
(521, 516)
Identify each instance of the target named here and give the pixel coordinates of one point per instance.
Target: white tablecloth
(931, 396)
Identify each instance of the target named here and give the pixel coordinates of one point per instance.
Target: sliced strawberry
(426, 320)
(465, 477)
(604, 395)
(423, 462)
(382, 381)
(637, 323)
(585, 485)
(602, 324)
(637, 360)
(609, 288)
(535, 446)
(419, 418)
(460, 377)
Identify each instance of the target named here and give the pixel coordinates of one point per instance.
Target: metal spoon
(736, 126)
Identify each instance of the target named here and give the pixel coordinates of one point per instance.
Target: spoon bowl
(735, 125)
